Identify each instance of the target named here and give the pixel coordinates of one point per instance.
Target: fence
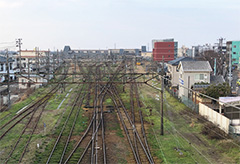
(218, 119)
(189, 102)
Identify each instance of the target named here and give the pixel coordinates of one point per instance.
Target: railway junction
(102, 112)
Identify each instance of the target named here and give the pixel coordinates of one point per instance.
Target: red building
(163, 49)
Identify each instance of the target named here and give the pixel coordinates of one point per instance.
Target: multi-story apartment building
(166, 48)
(233, 48)
(34, 67)
(32, 60)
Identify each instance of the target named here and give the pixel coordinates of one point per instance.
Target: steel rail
(130, 121)
(63, 128)
(73, 125)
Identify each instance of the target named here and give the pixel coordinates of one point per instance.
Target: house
(35, 66)
(32, 60)
(172, 71)
(3, 69)
(190, 73)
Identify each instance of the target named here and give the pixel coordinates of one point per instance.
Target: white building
(172, 71)
(191, 72)
(3, 69)
(32, 59)
(34, 67)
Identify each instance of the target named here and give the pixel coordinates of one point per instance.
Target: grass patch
(182, 127)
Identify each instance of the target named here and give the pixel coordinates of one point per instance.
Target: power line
(7, 42)
(202, 118)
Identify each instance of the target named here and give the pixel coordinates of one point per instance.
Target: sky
(101, 24)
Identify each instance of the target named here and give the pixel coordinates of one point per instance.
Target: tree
(216, 91)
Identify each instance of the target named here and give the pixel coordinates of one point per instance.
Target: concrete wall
(218, 119)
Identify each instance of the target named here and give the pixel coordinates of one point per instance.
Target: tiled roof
(177, 61)
(4, 59)
(196, 66)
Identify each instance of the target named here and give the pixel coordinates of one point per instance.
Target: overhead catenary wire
(182, 137)
(159, 142)
(170, 132)
(212, 99)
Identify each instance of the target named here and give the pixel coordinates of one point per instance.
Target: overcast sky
(98, 24)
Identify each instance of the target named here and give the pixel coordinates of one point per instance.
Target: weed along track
(89, 130)
(93, 112)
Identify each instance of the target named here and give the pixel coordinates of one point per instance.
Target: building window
(1, 69)
(199, 77)
(10, 66)
(234, 46)
(234, 52)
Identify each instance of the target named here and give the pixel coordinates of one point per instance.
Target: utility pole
(18, 44)
(58, 58)
(75, 66)
(37, 65)
(215, 68)
(8, 80)
(220, 45)
(161, 105)
(230, 68)
(48, 65)
(54, 63)
(28, 85)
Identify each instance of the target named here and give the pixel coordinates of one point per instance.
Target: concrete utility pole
(215, 67)
(48, 65)
(18, 44)
(161, 105)
(58, 59)
(8, 80)
(28, 85)
(220, 45)
(75, 66)
(230, 69)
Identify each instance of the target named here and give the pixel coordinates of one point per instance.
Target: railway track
(123, 115)
(33, 113)
(61, 143)
(90, 146)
